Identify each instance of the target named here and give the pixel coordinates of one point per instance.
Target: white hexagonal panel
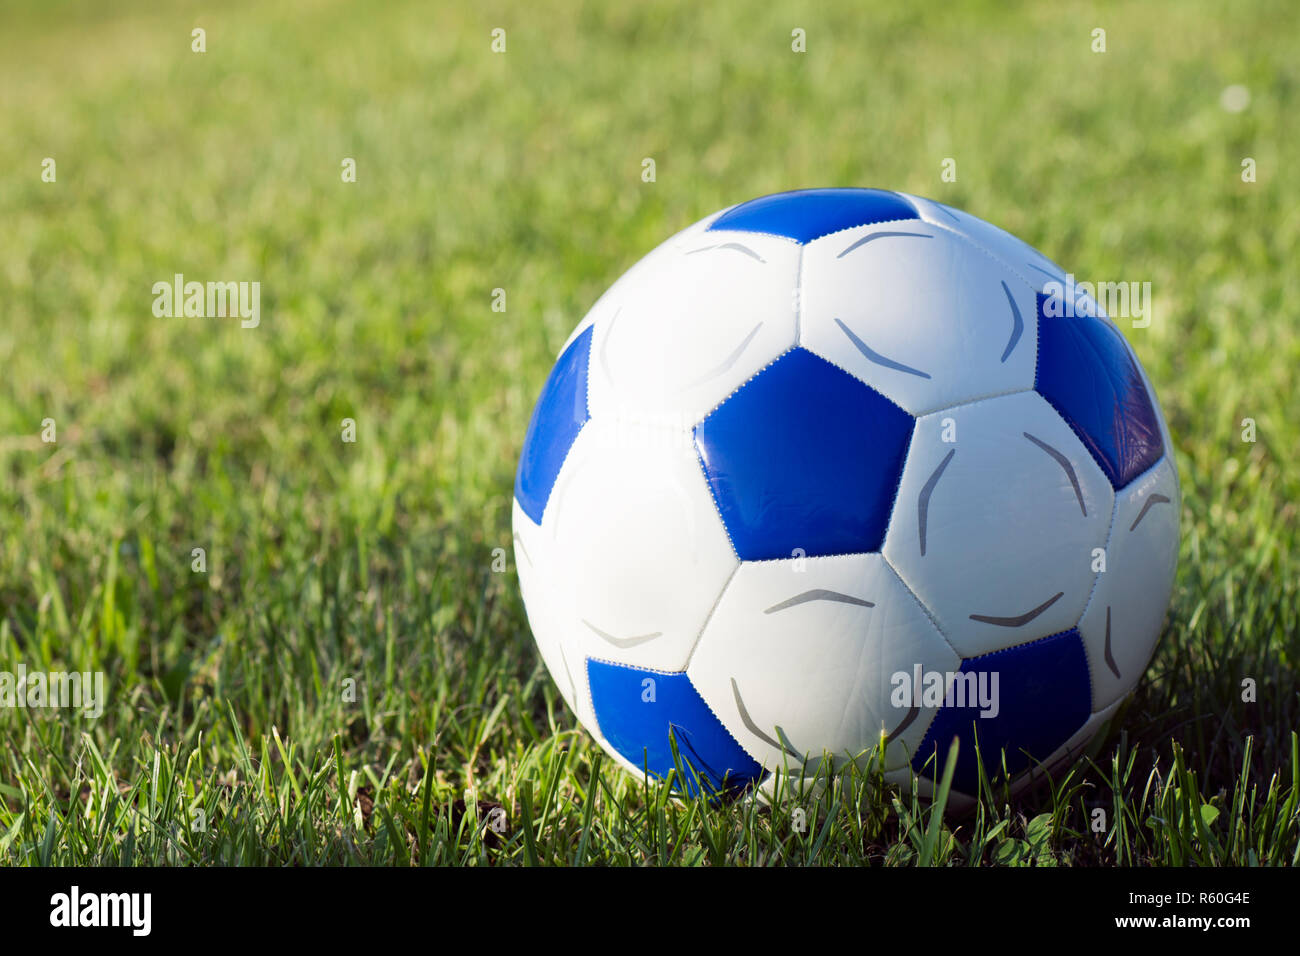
(918, 313)
(689, 324)
(609, 300)
(1026, 261)
(994, 530)
(796, 663)
(638, 555)
(1127, 611)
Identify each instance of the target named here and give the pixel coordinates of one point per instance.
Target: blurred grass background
(522, 171)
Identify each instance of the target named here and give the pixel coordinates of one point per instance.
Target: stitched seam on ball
(1039, 640)
(1083, 439)
(923, 606)
(632, 667)
(1086, 442)
(898, 483)
(1036, 640)
(709, 617)
(702, 698)
(1136, 478)
(717, 506)
(1016, 647)
(971, 241)
(699, 456)
(726, 731)
(1096, 583)
(862, 225)
(1003, 264)
(586, 404)
(756, 232)
(732, 394)
(974, 401)
(798, 298)
(713, 496)
(619, 415)
(1166, 440)
(591, 700)
(586, 383)
(859, 379)
(810, 557)
(835, 232)
(1015, 272)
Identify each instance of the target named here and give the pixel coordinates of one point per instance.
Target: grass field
(349, 679)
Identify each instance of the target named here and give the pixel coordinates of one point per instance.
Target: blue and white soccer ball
(838, 470)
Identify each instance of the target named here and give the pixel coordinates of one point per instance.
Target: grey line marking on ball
(882, 235)
(819, 594)
(1064, 463)
(604, 346)
(1019, 326)
(1156, 499)
(573, 686)
(923, 502)
(876, 357)
(729, 361)
(1110, 659)
(624, 642)
(783, 744)
(520, 541)
(1021, 619)
(904, 724)
(735, 246)
(1051, 275)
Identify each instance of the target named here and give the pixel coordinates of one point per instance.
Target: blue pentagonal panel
(1087, 374)
(560, 414)
(807, 214)
(638, 709)
(804, 459)
(1037, 695)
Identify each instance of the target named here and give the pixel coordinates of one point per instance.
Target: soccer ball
(845, 474)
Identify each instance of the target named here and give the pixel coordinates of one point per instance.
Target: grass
(350, 679)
